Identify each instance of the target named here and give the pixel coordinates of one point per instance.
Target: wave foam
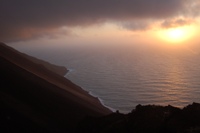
(101, 101)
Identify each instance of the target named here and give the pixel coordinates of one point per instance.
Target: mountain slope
(33, 97)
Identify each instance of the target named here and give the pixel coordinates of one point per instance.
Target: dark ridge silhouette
(146, 119)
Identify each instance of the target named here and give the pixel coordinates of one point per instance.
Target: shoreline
(101, 101)
(34, 98)
(41, 96)
(89, 92)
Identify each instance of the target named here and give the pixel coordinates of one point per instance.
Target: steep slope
(61, 70)
(33, 97)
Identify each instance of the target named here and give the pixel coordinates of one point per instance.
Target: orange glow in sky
(177, 35)
(114, 34)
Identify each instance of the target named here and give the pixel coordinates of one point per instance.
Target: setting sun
(177, 35)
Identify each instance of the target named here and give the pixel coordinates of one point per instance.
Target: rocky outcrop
(147, 119)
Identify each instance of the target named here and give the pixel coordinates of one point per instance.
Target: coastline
(89, 92)
(101, 101)
(34, 96)
(35, 99)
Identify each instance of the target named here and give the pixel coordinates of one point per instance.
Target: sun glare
(177, 35)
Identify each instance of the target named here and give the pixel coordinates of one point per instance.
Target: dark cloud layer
(31, 18)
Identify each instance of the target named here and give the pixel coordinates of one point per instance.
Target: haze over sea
(123, 76)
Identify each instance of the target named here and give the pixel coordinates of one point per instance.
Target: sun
(176, 35)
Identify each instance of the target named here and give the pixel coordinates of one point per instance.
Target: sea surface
(125, 76)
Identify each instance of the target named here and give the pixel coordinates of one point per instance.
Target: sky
(167, 22)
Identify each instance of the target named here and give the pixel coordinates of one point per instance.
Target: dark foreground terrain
(34, 98)
(147, 119)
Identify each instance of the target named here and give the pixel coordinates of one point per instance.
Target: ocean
(125, 76)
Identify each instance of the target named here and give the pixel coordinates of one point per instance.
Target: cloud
(24, 19)
(176, 23)
(193, 8)
(136, 25)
